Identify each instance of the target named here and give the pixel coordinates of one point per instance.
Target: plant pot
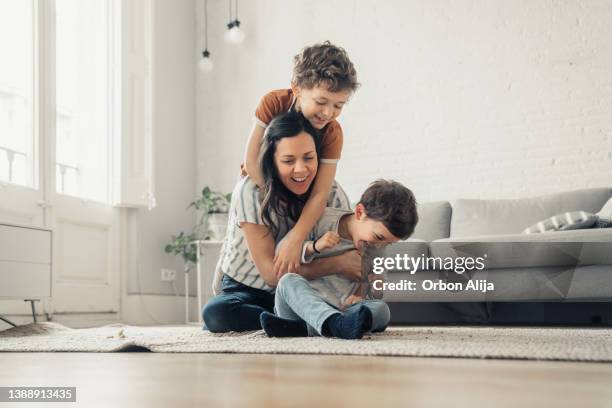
(217, 225)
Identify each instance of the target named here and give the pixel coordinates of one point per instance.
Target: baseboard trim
(136, 309)
(592, 314)
(145, 309)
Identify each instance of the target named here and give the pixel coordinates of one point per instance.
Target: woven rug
(568, 344)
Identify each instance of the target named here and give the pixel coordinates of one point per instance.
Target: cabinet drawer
(24, 280)
(22, 244)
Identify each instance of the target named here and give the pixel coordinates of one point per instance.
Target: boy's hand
(329, 240)
(352, 300)
(288, 257)
(351, 265)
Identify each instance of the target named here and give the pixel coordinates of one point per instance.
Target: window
(17, 160)
(84, 98)
(93, 58)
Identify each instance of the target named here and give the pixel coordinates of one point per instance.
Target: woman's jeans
(237, 307)
(297, 300)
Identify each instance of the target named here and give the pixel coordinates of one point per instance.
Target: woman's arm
(260, 243)
(288, 257)
(261, 249)
(251, 155)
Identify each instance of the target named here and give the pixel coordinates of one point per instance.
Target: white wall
(147, 232)
(459, 99)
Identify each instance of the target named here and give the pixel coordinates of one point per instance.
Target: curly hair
(324, 63)
(277, 200)
(392, 204)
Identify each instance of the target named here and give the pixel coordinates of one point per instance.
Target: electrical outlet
(168, 275)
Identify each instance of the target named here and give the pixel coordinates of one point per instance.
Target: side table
(207, 256)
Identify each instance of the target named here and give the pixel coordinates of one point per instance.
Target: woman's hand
(329, 240)
(288, 256)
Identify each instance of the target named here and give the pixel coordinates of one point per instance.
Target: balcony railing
(63, 169)
(10, 157)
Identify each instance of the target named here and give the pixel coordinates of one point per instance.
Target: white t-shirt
(336, 288)
(235, 260)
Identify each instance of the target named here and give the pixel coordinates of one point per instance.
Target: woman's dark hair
(276, 198)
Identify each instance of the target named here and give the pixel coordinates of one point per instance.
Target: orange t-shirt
(281, 101)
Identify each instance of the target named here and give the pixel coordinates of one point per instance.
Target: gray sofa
(553, 267)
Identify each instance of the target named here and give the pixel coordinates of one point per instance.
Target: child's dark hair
(392, 204)
(324, 63)
(276, 198)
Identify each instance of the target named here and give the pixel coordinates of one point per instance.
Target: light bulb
(234, 34)
(206, 64)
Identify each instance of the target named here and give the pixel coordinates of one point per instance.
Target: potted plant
(214, 207)
(211, 225)
(183, 245)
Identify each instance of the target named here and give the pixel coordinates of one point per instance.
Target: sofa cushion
(413, 248)
(605, 214)
(560, 248)
(434, 221)
(564, 222)
(484, 217)
(538, 284)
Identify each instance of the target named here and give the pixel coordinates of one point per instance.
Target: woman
(260, 218)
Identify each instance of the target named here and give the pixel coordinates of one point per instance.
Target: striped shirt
(235, 260)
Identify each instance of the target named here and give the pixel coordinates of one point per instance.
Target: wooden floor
(241, 380)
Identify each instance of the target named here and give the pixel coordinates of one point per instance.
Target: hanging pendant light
(206, 63)
(234, 33)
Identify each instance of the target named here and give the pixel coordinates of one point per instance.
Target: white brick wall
(463, 98)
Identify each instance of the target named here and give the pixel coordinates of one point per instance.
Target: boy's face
(319, 105)
(369, 232)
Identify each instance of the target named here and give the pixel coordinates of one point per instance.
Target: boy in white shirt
(334, 306)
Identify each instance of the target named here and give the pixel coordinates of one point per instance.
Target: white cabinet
(25, 262)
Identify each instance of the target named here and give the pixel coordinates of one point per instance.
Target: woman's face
(296, 161)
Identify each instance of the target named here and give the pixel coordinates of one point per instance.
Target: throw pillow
(605, 215)
(563, 222)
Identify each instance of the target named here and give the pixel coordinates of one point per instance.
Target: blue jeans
(297, 300)
(237, 307)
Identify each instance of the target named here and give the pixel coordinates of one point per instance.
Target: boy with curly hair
(324, 79)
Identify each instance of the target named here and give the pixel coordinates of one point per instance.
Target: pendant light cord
(206, 25)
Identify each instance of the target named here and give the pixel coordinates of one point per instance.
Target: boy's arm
(308, 250)
(261, 248)
(372, 278)
(361, 293)
(367, 289)
(251, 155)
(347, 264)
(288, 256)
(327, 241)
(362, 290)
